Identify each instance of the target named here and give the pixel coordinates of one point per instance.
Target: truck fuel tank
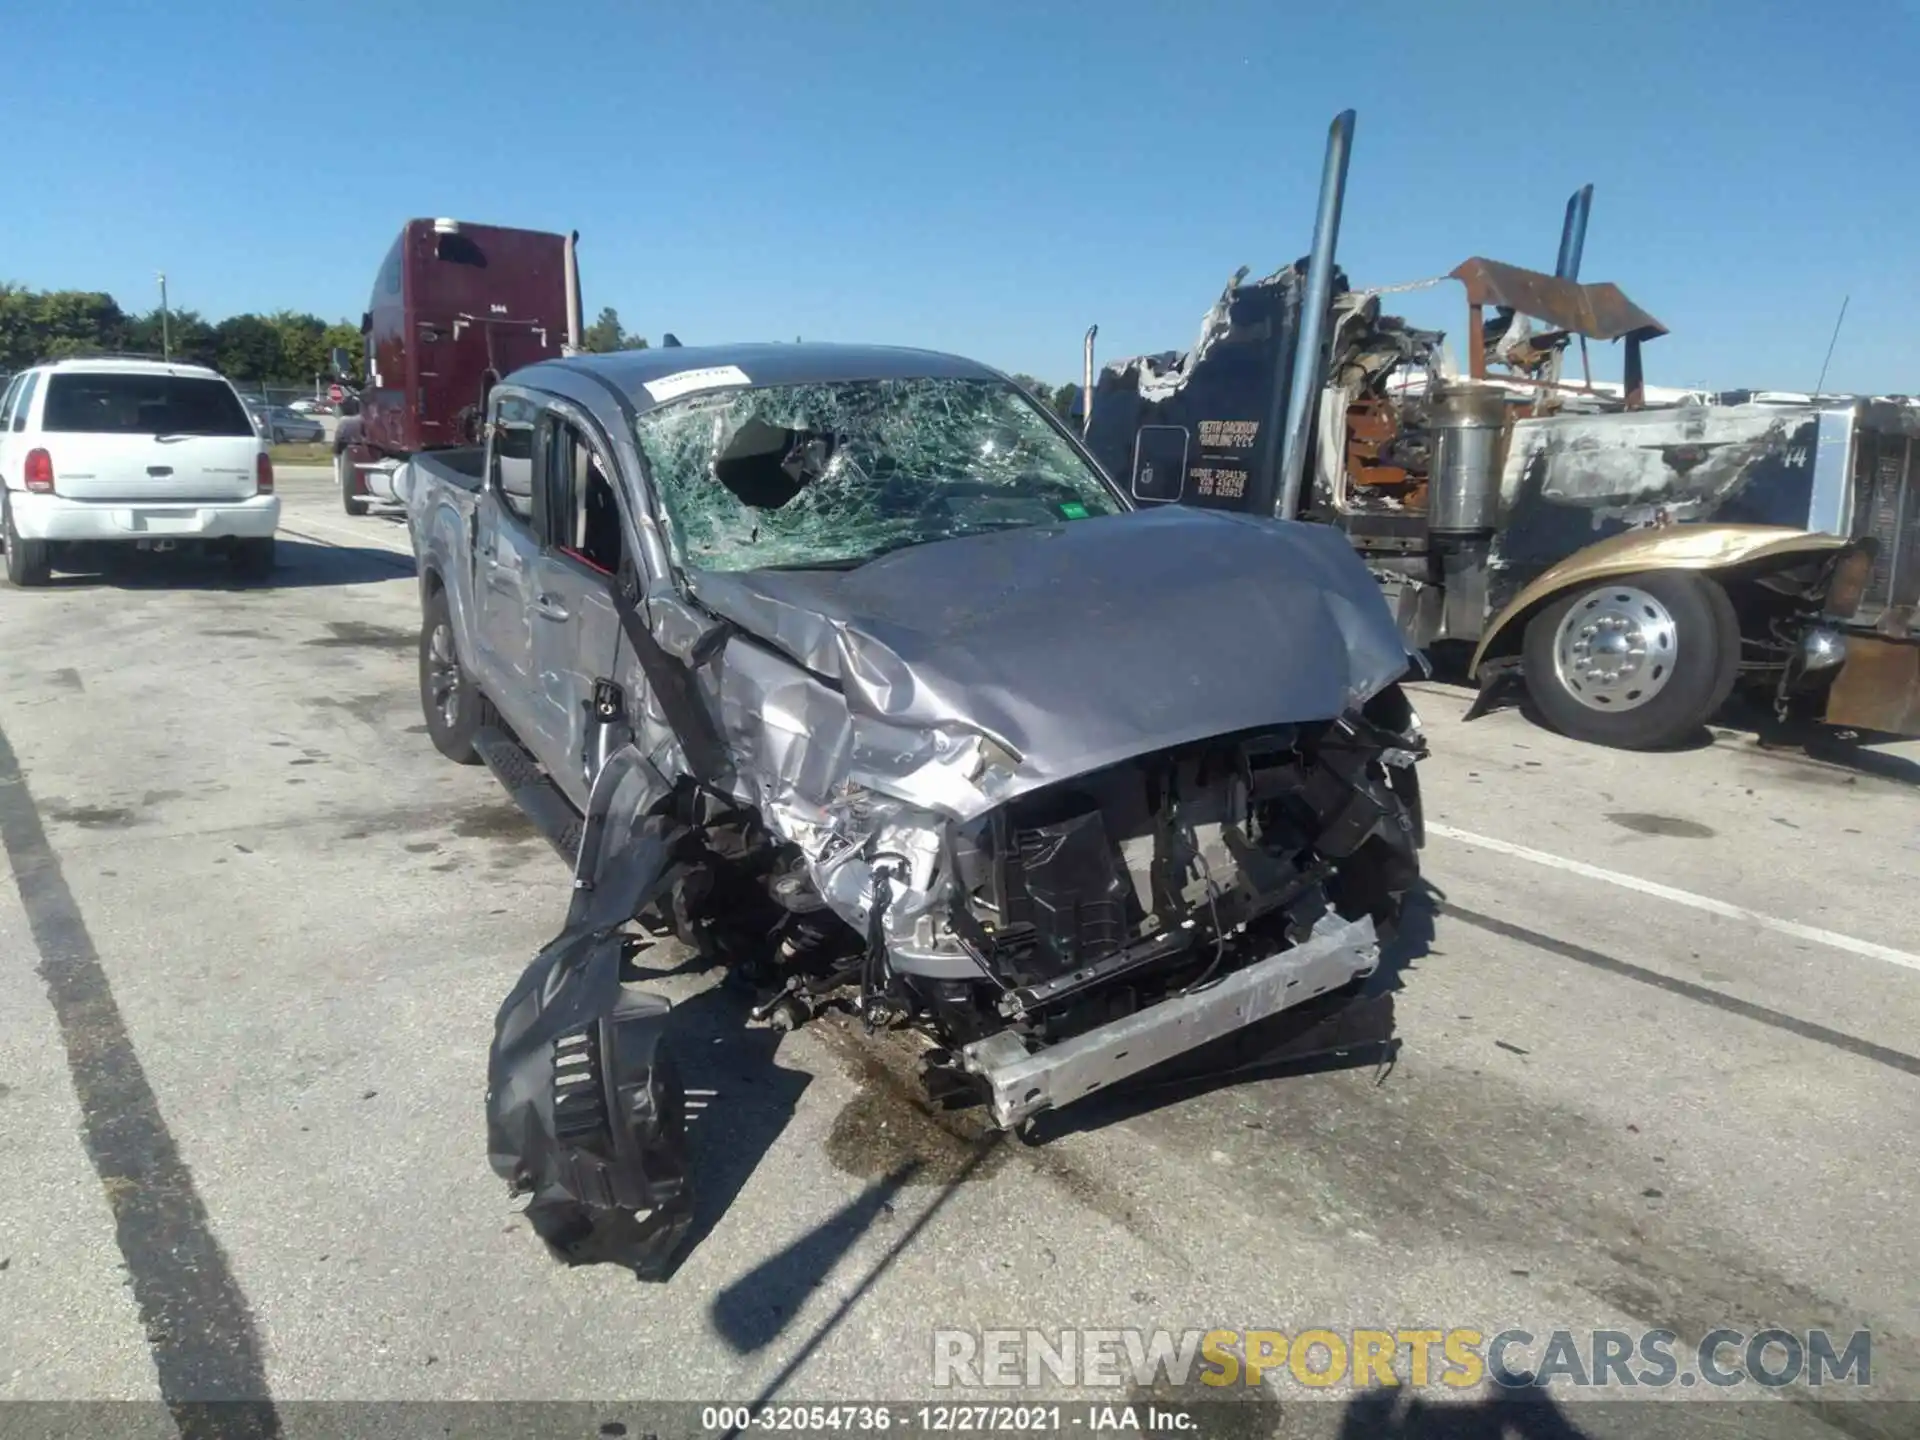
(1468, 423)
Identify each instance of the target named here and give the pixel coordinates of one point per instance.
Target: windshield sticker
(713, 377)
(1073, 510)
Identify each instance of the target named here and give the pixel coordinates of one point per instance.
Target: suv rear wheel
(29, 562)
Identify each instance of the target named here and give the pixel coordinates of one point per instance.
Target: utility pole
(166, 338)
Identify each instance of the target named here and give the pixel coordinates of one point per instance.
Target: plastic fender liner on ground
(585, 1109)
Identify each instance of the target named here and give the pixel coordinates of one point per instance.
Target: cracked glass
(832, 475)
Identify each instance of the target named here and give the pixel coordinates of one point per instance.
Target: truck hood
(1077, 645)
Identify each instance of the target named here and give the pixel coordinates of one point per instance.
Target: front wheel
(1637, 663)
(449, 700)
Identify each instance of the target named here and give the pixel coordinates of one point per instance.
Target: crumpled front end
(1079, 934)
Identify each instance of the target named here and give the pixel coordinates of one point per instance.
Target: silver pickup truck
(852, 670)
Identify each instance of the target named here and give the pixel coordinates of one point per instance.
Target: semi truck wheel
(449, 700)
(1637, 663)
(344, 472)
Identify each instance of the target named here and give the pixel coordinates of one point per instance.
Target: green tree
(288, 345)
(1036, 388)
(348, 338)
(186, 337)
(247, 348)
(19, 328)
(37, 324)
(75, 321)
(1064, 399)
(303, 345)
(605, 335)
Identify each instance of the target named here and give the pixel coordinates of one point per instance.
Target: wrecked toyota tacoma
(852, 670)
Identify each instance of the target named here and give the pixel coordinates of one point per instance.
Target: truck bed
(440, 489)
(462, 467)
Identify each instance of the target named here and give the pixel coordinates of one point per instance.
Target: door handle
(548, 608)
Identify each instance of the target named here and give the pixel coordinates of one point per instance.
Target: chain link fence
(272, 409)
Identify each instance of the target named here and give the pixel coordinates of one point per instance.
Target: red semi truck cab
(454, 308)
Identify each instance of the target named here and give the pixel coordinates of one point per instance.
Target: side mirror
(342, 363)
(349, 405)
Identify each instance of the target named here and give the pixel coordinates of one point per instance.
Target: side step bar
(531, 790)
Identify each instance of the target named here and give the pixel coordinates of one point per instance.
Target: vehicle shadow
(1503, 1414)
(753, 1310)
(299, 565)
(1507, 692)
(1349, 1029)
(1383, 1414)
(1848, 749)
(739, 1099)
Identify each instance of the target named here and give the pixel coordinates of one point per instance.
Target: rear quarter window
(108, 404)
(23, 399)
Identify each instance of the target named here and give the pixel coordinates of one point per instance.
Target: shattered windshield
(835, 474)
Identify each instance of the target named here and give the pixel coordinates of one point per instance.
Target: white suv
(130, 452)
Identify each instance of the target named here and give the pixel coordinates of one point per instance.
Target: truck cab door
(506, 551)
(577, 627)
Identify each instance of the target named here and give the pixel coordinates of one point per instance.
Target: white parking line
(1705, 903)
(370, 538)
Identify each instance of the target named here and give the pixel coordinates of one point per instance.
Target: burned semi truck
(1630, 559)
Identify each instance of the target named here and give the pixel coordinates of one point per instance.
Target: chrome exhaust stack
(1313, 317)
(576, 324)
(1086, 380)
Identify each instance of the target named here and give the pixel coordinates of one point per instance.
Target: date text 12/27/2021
(944, 1419)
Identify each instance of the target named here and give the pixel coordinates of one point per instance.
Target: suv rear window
(125, 404)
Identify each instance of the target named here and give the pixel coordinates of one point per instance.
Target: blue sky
(986, 177)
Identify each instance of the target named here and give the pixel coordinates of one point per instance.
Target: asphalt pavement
(1656, 1066)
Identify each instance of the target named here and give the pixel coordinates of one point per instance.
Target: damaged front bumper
(1021, 1084)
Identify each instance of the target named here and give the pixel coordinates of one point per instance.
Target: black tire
(1687, 659)
(252, 559)
(345, 436)
(344, 472)
(29, 562)
(452, 733)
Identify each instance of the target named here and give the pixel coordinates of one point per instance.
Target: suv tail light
(39, 472)
(263, 475)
